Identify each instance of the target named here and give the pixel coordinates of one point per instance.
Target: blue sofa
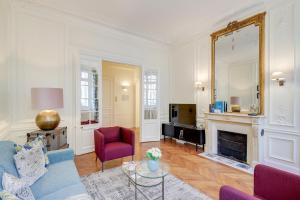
(61, 180)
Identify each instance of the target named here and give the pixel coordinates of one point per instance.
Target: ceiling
(167, 21)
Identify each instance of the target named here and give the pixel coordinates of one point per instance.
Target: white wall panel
(4, 67)
(282, 59)
(40, 60)
(182, 82)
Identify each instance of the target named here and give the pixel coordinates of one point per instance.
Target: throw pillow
(15, 186)
(39, 141)
(12, 184)
(5, 195)
(25, 194)
(30, 164)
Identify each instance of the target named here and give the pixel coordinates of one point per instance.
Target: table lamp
(235, 104)
(47, 99)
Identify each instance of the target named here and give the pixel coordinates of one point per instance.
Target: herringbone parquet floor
(201, 173)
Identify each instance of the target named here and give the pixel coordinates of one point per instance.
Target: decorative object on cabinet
(46, 99)
(235, 104)
(220, 107)
(55, 139)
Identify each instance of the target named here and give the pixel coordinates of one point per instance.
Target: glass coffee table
(140, 176)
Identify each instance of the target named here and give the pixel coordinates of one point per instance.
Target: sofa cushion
(63, 193)
(111, 134)
(59, 176)
(5, 195)
(1, 176)
(16, 186)
(30, 164)
(117, 150)
(7, 157)
(39, 142)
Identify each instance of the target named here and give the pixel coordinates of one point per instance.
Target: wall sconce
(124, 86)
(199, 85)
(279, 78)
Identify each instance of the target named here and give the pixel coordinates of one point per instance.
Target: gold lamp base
(47, 120)
(235, 108)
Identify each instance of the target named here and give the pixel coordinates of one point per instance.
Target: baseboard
(294, 170)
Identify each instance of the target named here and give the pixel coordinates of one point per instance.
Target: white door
(88, 102)
(150, 114)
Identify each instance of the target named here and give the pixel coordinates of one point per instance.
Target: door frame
(79, 149)
(76, 52)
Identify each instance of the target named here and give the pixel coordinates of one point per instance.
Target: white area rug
(112, 184)
(226, 161)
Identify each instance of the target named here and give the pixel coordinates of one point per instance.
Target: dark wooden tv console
(186, 133)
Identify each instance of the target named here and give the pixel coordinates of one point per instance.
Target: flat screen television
(182, 114)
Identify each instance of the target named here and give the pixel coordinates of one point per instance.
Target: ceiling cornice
(88, 19)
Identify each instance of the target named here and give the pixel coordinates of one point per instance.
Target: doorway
(121, 95)
(114, 94)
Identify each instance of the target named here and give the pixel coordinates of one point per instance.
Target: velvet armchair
(113, 142)
(269, 184)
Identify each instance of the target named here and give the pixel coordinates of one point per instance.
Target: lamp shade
(47, 98)
(235, 100)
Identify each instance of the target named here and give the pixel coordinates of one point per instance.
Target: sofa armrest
(60, 155)
(128, 136)
(230, 193)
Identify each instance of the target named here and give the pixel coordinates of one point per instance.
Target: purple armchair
(113, 142)
(269, 184)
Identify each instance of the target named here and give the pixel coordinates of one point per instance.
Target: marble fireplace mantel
(252, 126)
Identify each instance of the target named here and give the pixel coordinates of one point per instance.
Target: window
(89, 96)
(150, 95)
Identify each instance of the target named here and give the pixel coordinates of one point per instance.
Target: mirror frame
(257, 20)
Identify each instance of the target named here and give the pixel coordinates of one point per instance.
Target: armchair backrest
(275, 184)
(111, 134)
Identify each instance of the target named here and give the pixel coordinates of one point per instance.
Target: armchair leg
(102, 166)
(132, 157)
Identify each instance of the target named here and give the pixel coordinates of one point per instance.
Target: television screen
(184, 114)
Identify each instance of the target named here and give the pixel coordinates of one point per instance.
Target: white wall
(45, 45)
(182, 74)
(282, 129)
(4, 68)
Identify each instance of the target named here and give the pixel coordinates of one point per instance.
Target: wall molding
(272, 163)
(271, 155)
(282, 110)
(283, 132)
(41, 9)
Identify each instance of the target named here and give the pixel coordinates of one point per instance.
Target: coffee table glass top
(143, 170)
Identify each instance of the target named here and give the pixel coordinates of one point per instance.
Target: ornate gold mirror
(237, 71)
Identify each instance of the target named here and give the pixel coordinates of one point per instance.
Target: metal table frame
(134, 182)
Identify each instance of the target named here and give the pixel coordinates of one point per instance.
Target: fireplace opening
(232, 145)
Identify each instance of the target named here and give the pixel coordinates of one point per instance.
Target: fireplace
(232, 145)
